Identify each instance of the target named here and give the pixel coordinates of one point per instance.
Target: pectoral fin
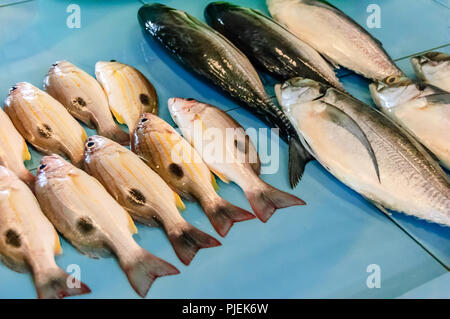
(346, 122)
(440, 98)
(178, 202)
(222, 177)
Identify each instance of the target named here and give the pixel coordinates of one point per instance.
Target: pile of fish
(93, 200)
(391, 157)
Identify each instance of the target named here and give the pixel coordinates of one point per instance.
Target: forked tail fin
(266, 199)
(57, 284)
(143, 270)
(188, 240)
(223, 215)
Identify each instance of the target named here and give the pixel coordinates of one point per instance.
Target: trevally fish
(144, 194)
(209, 54)
(129, 92)
(433, 68)
(29, 242)
(14, 150)
(268, 44)
(44, 122)
(84, 213)
(422, 110)
(334, 35)
(225, 155)
(84, 98)
(367, 151)
(174, 159)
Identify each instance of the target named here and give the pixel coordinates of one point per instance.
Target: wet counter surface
(321, 250)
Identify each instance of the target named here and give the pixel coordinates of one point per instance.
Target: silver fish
(44, 122)
(367, 151)
(14, 150)
(174, 159)
(84, 212)
(422, 110)
(144, 194)
(433, 68)
(84, 98)
(335, 35)
(129, 92)
(225, 158)
(28, 240)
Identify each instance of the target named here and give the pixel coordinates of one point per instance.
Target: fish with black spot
(144, 194)
(180, 165)
(45, 123)
(84, 98)
(86, 214)
(129, 92)
(215, 135)
(29, 242)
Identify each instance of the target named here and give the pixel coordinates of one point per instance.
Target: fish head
(184, 110)
(149, 122)
(53, 166)
(99, 145)
(299, 91)
(394, 90)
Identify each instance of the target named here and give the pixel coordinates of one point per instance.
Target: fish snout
(95, 142)
(50, 162)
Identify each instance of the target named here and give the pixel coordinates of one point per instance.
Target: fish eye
(90, 144)
(144, 120)
(190, 99)
(391, 79)
(54, 64)
(112, 60)
(42, 166)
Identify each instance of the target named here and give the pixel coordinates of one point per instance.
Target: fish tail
(223, 215)
(188, 240)
(144, 268)
(58, 284)
(298, 158)
(116, 134)
(266, 199)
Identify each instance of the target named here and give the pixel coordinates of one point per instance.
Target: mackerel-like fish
(422, 110)
(28, 241)
(84, 212)
(335, 35)
(209, 54)
(367, 151)
(84, 98)
(268, 44)
(433, 68)
(144, 194)
(14, 150)
(174, 159)
(129, 92)
(207, 128)
(44, 122)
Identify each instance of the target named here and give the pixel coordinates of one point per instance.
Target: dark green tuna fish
(268, 44)
(209, 54)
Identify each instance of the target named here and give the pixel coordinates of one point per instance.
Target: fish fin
(223, 215)
(440, 98)
(57, 249)
(118, 117)
(55, 285)
(178, 202)
(116, 134)
(131, 225)
(222, 177)
(188, 240)
(264, 202)
(214, 183)
(298, 158)
(343, 120)
(144, 269)
(26, 152)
